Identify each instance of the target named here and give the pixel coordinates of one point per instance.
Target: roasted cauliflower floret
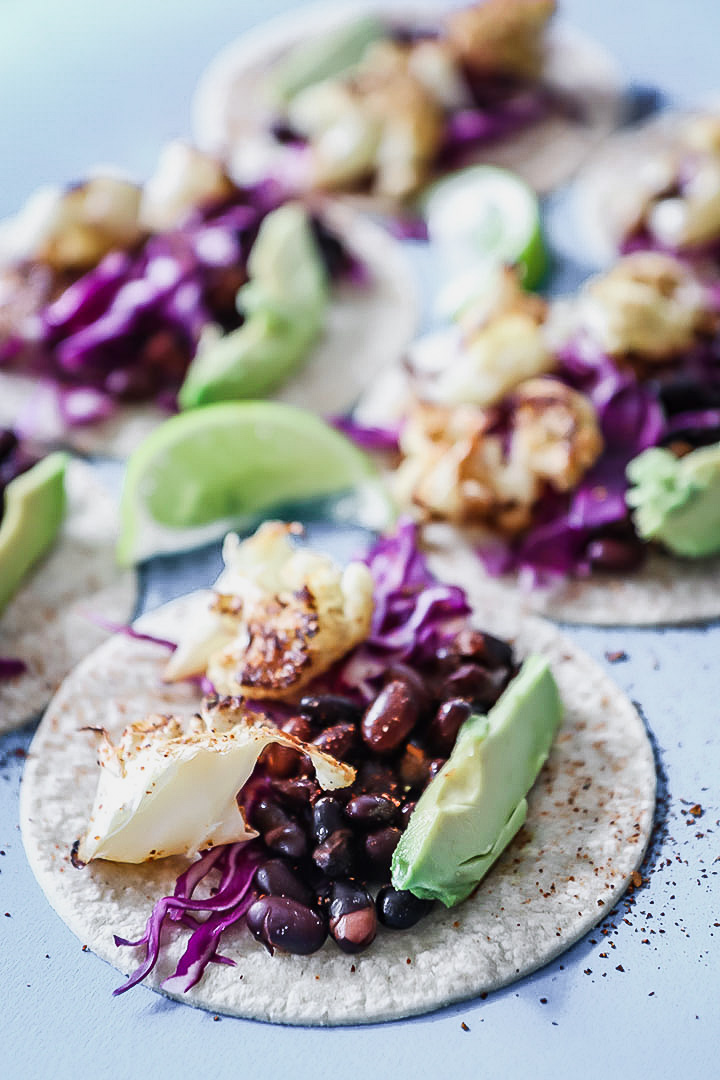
(173, 787)
(459, 466)
(185, 179)
(502, 343)
(380, 121)
(501, 37)
(555, 432)
(279, 617)
(646, 308)
(73, 229)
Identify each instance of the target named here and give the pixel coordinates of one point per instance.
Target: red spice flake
(8, 915)
(19, 752)
(637, 879)
(620, 968)
(483, 995)
(603, 955)
(616, 657)
(588, 971)
(464, 1026)
(352, 969)
(696, 810)
(543, 1001)
(456, 923)
(84, 948)
(216, 1017)
(408, 960)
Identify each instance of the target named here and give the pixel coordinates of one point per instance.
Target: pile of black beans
(328, 854)
(14, 460)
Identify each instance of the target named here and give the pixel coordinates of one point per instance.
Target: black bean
(266, 815)
(448, 720)
(485, 648)
(283, 923)
(405, 811)
(414, 680)
(475, 683)
(288, 839)
(378, 849)
(391, 717)
(300, 727)
(334, 857)
(369, 811)
(353, 920)
(340, 740)
(399, 909)
(376, 777)
(298, 792)
(615, 555)
(327, 709)
(280, 762)
(327, 817)
(277, 879)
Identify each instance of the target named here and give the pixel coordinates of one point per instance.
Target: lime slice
(217, 468)
(487, 215)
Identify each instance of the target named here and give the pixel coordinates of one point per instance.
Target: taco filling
(530, 424)
(184, 290)
(381, 105)
(368, 720)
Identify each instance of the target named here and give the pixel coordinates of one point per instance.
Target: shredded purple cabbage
(413, 614)
(365, 436)
(127, 330)
(10, 667)
(236, 864)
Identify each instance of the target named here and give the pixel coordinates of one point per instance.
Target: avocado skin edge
(476, 804)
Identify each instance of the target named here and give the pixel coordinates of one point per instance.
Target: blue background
(83, 82)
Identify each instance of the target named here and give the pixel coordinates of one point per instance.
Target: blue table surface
(84, 82)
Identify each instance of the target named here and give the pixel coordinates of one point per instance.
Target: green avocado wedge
(677, 500)
(284, 304)
(33, 513)
(473, 808)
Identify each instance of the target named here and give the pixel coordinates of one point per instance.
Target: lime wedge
(484, 214)
(204, 472)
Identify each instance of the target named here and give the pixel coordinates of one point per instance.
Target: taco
(376, 99)
(655, 187)
(57, 569)
(412, 640)
(574, 445)
(121, 303)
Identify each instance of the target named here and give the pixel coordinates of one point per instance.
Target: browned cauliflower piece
(501, 37)
(458, 467)
(380, 122)
(648, 307)
(280, 616)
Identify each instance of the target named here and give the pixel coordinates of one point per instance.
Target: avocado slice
(677, 500)
(325, 57)
(34, 508)
(284, 304)
(471, 810)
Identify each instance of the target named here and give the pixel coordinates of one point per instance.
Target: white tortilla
(46, 624)
(228, 106)
(588, 824)
(664, 591)
(367, 330)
